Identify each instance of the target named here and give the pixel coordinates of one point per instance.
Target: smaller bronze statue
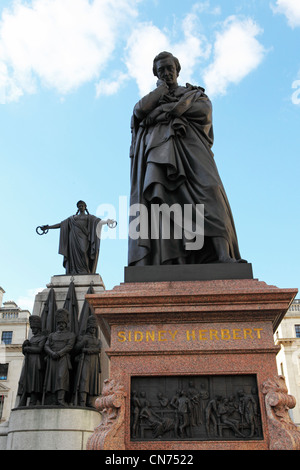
(87, 350)
(32, 375)
(58, 348)
(79, 241)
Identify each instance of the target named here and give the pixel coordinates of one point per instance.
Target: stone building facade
(288, 359)
(14, 328)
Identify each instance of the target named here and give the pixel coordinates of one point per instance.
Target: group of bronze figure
(193, 414)
(60, 368)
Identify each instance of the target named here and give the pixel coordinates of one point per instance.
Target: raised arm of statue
(49, 227)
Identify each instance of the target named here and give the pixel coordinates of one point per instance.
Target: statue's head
(82, 207)
(62, 318)
(80, 204)
(35, 323)
(92, 323)
(165, 56)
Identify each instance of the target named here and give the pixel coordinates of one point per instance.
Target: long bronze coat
(58, 370)
(32, 374)
(88, 348)
(172, 162)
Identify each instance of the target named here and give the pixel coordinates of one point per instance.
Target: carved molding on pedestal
(110, 434)
(284, 434)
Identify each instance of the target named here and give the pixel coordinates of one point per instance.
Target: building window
(297, 330)
(3, 371)
(7, 337)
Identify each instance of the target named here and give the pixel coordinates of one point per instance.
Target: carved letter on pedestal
(284, 434)
(109, 435)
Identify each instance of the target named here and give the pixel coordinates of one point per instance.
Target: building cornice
(3, 388)
(285, 342)
(12, 347)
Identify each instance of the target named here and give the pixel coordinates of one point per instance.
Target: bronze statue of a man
(172, 163)
(58, 348)
(87, 350)
(32, 375)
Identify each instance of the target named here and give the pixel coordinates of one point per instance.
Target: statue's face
(92, 330)
(81, 206)
(35, 330)
(166, 70)
(61, 325)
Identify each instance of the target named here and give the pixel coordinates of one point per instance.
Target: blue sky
(70, 74)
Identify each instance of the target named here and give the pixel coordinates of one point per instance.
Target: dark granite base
(189, 272)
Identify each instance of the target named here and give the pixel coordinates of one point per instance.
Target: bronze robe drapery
(172, 163)
(79, 244)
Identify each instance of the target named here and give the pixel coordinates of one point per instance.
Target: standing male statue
(58, 348)
(32, 375)
(87, 355)
(79, 241)
(172, 163)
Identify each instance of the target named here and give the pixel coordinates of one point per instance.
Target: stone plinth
(188, 272)
(42, 428)
(215, 334)
(60, 284)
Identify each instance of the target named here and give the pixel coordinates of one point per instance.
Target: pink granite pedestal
(191, 328)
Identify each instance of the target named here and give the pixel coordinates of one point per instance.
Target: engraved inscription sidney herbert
(209, 334)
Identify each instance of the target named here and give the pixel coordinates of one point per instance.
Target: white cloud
(236, 53)
(110, 87)
(62, 44)
(26, 302)
(9, 90)
(289, 8)
(58, 43)
(146, 41)
(194, 47)
(205, 7)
